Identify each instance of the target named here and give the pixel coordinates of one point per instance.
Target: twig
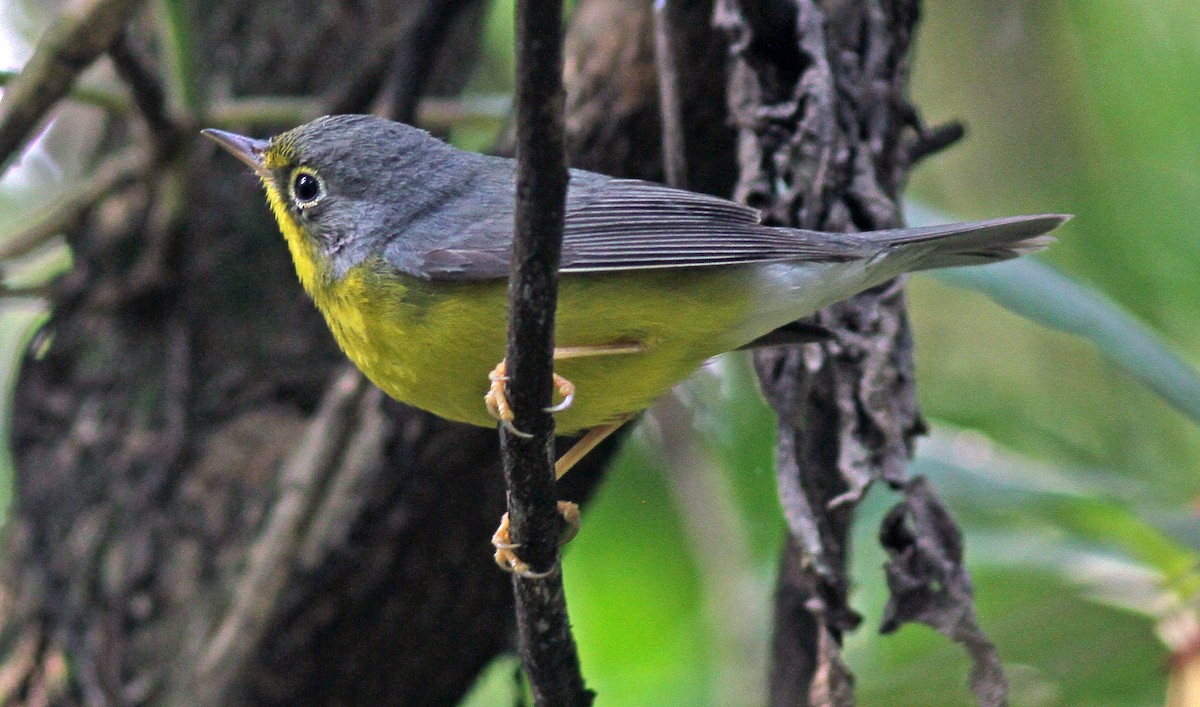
(670, 105)
(544, 633)
(38, 291)
(392, 74)
(115, 173)
(111, 101)
(934, 139)
(364, 83)
(263, 111)
(148, 94)
(445, 113)
(412, 63)
(69, 45)
(175, 32)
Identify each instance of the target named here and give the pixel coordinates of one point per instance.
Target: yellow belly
(432, 345)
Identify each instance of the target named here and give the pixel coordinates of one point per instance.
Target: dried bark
(826, 136)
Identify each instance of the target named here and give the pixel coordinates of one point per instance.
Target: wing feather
(633, 224)
(625, 224)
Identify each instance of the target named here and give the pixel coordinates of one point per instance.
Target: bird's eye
(306, 187)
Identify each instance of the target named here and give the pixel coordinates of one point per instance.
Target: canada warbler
(403, 242)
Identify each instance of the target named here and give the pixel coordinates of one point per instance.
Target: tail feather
(974, 243)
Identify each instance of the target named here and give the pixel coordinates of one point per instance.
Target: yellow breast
(432, 344)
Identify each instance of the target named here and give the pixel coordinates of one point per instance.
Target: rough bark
(826, 137)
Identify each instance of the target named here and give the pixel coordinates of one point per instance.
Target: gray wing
(634, 224)
(623, 224)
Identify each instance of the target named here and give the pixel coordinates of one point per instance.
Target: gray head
(349, 181)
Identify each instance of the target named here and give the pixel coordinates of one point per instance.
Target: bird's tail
(974, 243)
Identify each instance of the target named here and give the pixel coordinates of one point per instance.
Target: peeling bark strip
(929, 584)
(826, 136)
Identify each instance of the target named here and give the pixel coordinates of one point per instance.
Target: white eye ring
(306, 187)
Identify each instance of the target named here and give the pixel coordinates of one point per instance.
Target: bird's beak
(246, 149)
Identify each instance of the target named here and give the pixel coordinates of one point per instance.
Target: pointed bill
(246, 149)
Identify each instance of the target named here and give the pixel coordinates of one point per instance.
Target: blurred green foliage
(1076, 484)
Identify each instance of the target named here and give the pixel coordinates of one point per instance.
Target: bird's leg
(498, 405)
(506, 556)
(587, 443)
(496, 398)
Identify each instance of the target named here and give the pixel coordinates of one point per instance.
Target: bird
(403, 242)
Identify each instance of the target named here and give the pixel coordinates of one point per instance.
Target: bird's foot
(506, 556)
(497, 398)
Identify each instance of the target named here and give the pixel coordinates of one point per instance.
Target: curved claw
(512, 429)
(498, 406)
(566, 403)
(497, 400)
(570, 515)
(566, 389)
(506, 556)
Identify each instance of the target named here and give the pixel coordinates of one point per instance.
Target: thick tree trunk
(209, 510)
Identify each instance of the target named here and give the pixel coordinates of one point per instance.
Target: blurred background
(1064, 423)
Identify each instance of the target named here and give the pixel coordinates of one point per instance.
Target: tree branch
(544, 635)
(410, 65)
(115, 173)
(148, 94)
(71, 43)
(396, 68)
(669, 101)
(112, 101)
(272, 558)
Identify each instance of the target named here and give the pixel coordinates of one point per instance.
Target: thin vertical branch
(544, 634)
(148, 94)
(670, 104)
(176, 34)
(411, 63)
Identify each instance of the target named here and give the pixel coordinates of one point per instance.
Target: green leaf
(20, 318)
(1041, 293)
(1058, 518)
